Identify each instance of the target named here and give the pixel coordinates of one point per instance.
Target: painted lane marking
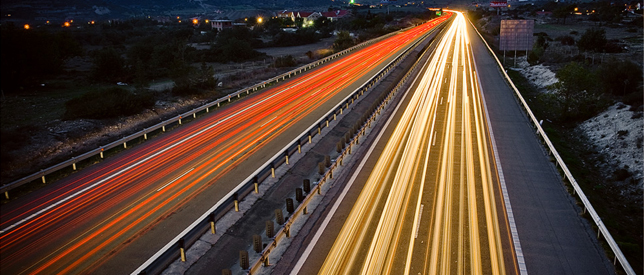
(175, 179)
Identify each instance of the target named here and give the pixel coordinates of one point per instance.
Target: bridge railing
(602, 230)
(177, 120)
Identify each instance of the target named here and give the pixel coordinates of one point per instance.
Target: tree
(108, 65)
(620, 77)
(563, 12)
(538, 49)
(592, 40)
(205, 77)
(28, 56)
(576, 92)
(343, 41)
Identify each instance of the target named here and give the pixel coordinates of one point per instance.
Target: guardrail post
(74, 164)
(6, 194)
(207, 109)
(163, 128)
(299, 147)
(334, 117)
(179, 120)
(236, 201)
(182, 250)
(145, 135)
(309, 138)
(213, 228)
(256, 185)
(226, 272)
(102, 152)
(43, 177)
(286, 156)
(125, 144)
(272, 170)
(266, 263)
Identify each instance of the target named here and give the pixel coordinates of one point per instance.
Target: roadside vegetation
(593, 49)
(67, 89)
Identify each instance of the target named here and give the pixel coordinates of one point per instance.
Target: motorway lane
(555, 238)
(431, 204)
(51, 232)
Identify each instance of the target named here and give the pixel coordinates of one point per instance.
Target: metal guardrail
(568, 175)
(177, 246)
(178, 119)
(284, 231)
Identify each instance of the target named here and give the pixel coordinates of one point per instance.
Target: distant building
(286, 14)
(308, 17)
(221, 24)
(335, 15)
(224, 24)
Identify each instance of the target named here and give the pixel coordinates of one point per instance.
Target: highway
(431, 202)
(109, 218)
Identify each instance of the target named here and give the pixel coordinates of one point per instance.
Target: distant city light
(195, 21)
(27, 26)
(259, 20)
(206, 20)
(66, 24)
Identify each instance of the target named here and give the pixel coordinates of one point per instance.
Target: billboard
(499, 4)
(516, 35)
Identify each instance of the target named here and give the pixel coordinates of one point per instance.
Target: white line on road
(175, 179)
(420, 215)
(5, 230)
(434, 142)
(325, 223)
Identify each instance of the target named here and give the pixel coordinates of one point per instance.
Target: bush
(285, 61)
(621, 77)
(343, 41)
(566, 40)
(109, 65)
(592, 40)
(108, 103)
(576, 95)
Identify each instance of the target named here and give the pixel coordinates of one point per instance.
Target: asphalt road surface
(111, 217)
(431, 203)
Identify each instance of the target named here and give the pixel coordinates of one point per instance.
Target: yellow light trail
(436, 161)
